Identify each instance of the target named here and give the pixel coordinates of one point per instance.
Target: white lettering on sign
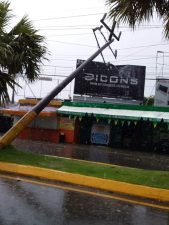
(110, 79)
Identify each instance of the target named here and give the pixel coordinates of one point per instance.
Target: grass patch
(153, 178)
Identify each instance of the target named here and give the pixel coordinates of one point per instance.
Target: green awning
(122, 112)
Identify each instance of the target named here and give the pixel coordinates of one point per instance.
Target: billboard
(162, 92)
(107, 80)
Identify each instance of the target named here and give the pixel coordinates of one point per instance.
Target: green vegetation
(148, 101)
(159, 179)
(22, 50)
(136, 12)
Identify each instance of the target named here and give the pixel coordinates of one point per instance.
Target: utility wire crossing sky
(67, 27)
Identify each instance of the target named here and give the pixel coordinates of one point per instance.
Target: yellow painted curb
(104, 184)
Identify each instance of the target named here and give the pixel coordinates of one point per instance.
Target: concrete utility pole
(8, 137)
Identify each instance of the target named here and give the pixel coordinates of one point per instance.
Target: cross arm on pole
(111, 30)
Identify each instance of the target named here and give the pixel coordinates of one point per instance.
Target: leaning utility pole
(8, 137)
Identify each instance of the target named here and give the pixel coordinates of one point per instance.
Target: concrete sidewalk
(97, 153)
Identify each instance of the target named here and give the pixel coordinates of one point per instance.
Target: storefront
(119, 126)
(44, 127)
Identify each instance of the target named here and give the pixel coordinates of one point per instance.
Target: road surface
(25, 203)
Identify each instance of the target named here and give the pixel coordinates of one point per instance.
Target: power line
(56, 35)
(145, 58)
(131, 59)
(68, 17)
(57, 66)
(70, 43)
(157, 78)
(87, 28)
(77, 34)
(135, 59)
(58, 75)
(69, 26)
(163, 64)
(141, 29)
(76, 28)
(90, 25)
(142, 26)
(141, 46)
(74, 60)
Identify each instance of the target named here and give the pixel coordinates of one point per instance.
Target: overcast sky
(67, 26)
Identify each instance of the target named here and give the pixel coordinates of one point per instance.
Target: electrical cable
(68, 17)
(141, 46)
(28, 86)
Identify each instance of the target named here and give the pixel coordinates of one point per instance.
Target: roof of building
(115, 111)
(25, 105)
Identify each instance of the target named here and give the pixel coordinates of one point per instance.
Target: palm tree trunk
(13, 90)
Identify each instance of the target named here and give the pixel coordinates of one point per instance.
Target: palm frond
(28, 49)
(22, 50)
(23, 26)
(28, 54)
(5, 15)
(135, 12)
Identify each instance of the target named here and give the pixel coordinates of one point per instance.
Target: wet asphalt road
(29, 204)
(124, 157)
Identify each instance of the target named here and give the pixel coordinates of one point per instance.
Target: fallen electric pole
(8, 137)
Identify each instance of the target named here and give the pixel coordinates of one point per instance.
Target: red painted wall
(69, 135)
(66, 126)
(40, 134)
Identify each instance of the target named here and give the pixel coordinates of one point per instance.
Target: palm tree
(21, 51)
(5, 81)
(134, 12)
